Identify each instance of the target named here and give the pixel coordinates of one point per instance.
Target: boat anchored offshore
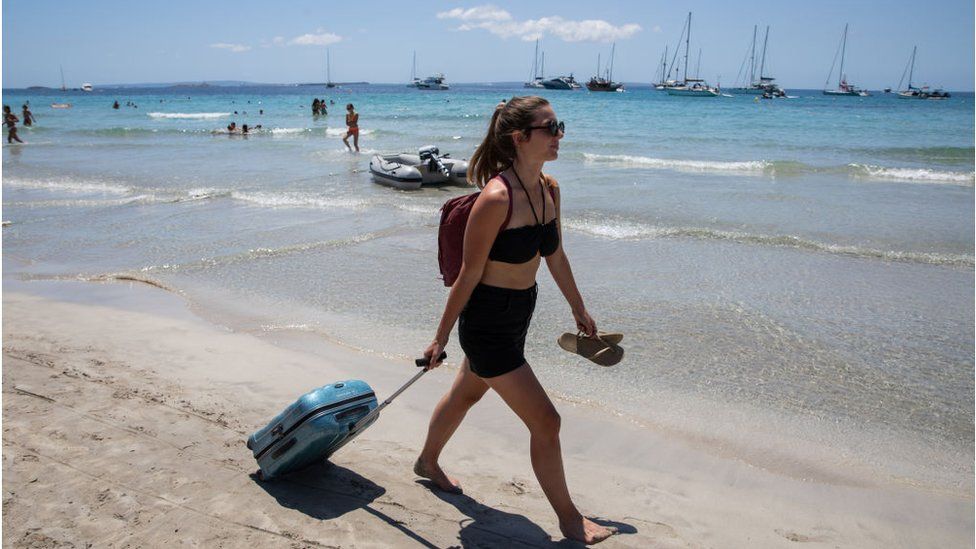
(692, 87)
(764, 85)
(406, 171)
(843, 87)
(435, 82)
(537, 78)
(918, 93)
(607, 84)
(561, 83)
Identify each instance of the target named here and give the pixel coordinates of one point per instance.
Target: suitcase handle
(376, 411)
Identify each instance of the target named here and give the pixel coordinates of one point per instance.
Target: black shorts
(492, 328)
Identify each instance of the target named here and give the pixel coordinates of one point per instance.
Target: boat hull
(408, 172)
(845, 93)
(684, 92)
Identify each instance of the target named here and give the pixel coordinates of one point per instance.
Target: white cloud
(501, 23)
(657, 28)
(236, 48)
(279, 40)
(310, 39)
(478, 13)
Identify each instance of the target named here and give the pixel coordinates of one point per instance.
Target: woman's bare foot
(586, 531)
(436, 475)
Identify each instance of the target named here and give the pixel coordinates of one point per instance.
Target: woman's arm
(562, 273)
(486, 219)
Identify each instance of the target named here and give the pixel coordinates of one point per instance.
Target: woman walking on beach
(352, 123)
(495, 293)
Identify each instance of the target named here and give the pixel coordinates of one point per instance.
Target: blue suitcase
(316, 425)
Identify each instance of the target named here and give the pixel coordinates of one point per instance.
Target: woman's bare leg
(525, 396)
(467, 389)
(355, 141)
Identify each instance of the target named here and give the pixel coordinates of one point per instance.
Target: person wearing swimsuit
(10, 120)
(494, 296)
(352, 122)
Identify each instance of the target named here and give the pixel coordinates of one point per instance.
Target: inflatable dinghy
(407, 171)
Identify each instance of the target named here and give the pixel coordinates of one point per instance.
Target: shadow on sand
(325, 491)
(489, 527)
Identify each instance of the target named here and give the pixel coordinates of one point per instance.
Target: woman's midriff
(516, 276)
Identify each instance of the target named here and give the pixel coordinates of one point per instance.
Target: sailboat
(764, 84)
(414, 81)
(598, 84)
(844, 88)
(665, 81)
(692, 87)
(435, 82)
(328, 69)
(918, 93)
(537, 78)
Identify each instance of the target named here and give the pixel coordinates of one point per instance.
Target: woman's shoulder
(550, 181)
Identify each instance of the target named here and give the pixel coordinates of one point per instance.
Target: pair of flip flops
(603, 348)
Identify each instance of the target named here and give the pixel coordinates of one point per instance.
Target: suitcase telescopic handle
(376, 411)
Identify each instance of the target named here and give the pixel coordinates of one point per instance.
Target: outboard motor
(431, 155)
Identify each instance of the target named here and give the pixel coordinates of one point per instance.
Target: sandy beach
(125, 416)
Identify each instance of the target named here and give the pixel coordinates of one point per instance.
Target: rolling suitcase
(317, 424)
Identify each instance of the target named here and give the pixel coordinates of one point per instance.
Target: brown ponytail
(497, 151)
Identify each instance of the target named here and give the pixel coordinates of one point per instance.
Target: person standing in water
(28, 115)
(352, 123)
(10, 120)
(494, 297)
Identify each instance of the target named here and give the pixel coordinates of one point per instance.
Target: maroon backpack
(454, 220)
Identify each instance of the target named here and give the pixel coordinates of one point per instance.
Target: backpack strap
(508, 216)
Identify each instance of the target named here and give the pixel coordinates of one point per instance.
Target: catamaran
(692, 87)
(844, 88)
(607, 84)
(918, 93)
(764, 84)
(435, 82)
(537, 78)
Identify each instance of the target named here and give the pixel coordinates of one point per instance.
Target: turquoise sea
(794, 275)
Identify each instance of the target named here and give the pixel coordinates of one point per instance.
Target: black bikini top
(521, 244)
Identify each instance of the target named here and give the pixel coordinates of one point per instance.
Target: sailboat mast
(413, 71)
(535, 61)
(843, 52)
(762, 65)
(328, 66)
(698, 66)
(62, 77)
(752, 58)
(687, 45)
(613, 49)
(598, 65)
(911, 72)
(664, 64)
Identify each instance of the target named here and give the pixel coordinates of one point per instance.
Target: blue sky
(108, 42)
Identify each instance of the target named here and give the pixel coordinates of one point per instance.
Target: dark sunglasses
(553, 126)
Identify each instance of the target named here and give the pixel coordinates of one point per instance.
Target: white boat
(666, 81)
(435, 82)
(537, 78)
(407, 171)
(692, 87)
(414, 81)
(913, 92)
(87, 87)
(844, 88)
(561, 83)
(764, 85)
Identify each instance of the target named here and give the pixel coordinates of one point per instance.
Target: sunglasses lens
(556, 127)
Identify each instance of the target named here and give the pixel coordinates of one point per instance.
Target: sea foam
(190, 115)
(715, 166)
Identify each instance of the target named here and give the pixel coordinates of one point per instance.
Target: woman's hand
(433, 352)
(585, 323)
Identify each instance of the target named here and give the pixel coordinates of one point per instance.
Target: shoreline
(165, 375)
